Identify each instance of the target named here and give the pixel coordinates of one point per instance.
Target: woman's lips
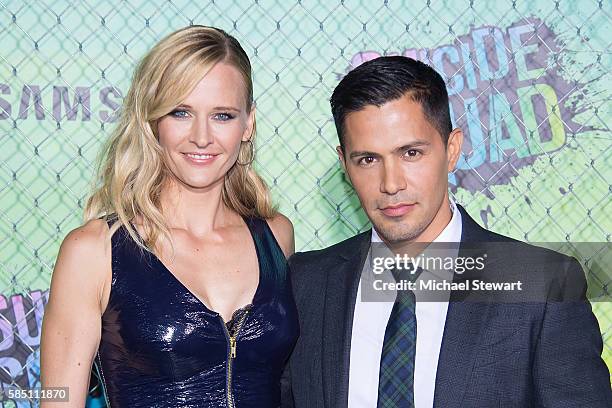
(199, 159)
(397, 210)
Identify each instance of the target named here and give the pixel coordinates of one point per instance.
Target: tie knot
(410, 273)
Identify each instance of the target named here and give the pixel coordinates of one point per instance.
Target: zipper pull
(233, 346)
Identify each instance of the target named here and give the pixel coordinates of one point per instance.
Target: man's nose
(393, 179)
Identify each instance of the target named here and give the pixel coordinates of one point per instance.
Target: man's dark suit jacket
(493, 354)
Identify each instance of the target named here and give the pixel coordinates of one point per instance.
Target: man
(397, 147)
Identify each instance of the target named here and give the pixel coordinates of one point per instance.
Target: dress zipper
(232, 355)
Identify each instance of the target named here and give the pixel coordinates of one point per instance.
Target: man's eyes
(366, 161)
(412, 153)
(409, 154)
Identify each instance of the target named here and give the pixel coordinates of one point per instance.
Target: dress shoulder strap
(271, 257)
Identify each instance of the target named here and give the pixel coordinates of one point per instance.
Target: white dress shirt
(369, 324)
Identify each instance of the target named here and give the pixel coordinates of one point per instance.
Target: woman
(176, 285)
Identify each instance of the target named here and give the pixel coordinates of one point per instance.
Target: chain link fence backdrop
(528, 81)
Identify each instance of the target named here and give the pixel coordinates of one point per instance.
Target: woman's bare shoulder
(91, 238)
(83, 261)
(282, 228)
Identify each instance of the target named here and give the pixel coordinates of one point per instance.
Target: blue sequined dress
(162, 347)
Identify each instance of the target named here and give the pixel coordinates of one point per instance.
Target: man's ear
(453, 148)
(341, 157)
(250, 125)
(342, 160)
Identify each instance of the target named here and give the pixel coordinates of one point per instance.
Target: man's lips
(397, 210)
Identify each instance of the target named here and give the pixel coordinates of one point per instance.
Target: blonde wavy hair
(131, 169)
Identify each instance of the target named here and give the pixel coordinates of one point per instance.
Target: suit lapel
(464, 323)
(341, 293)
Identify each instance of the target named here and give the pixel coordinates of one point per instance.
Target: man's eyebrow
(412, 145)
(363, 153)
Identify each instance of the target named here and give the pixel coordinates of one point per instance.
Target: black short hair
(385, 79)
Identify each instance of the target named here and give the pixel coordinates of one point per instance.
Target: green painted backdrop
(529, 82)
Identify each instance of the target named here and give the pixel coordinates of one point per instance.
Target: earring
(251, 153)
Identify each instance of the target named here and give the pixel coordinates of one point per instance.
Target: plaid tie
(396, 377)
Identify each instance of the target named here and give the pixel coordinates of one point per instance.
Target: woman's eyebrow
(216, 108)
(231, 108)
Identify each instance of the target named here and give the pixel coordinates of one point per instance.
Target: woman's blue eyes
(220, 116)
(223, 116)
(179, 113)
